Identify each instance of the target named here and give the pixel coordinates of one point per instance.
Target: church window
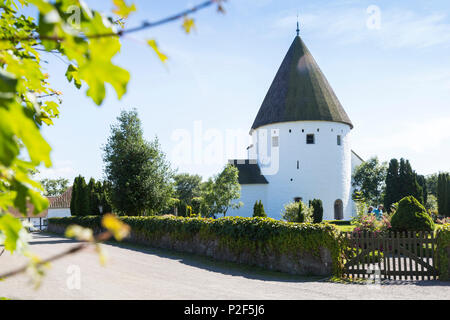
(339, 142)
(275, 141)
(310, 139)
(298, 164)
(290, 130)
(303, 130)
(317, 129)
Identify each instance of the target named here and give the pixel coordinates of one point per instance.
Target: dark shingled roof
(300, 92)
(249, 172)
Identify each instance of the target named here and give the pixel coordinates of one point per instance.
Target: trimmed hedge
(254, 237)
(411, 216)
(443, 247)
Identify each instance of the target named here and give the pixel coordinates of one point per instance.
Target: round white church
(300, 144)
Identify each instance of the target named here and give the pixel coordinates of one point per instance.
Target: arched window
(338, 210)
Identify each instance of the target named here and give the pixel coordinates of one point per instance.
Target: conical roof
(300, 92)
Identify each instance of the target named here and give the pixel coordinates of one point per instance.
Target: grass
(342, 226)
(345, 228)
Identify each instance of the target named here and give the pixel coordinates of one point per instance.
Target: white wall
(250, 193)
(324, 167)
(58, 212)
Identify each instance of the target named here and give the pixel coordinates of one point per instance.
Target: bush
(317, 210)
(291, 212)
(258, 210)
(411, 216)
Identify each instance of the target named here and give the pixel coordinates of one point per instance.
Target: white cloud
(60, 169)
(419, 136)
(398, 28)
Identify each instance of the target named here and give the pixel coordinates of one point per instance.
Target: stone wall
(293, 263)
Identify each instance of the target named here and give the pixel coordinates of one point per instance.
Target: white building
(301, 146)
(59, 206)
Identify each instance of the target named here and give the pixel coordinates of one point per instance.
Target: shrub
(301, 215)
(411, 216)
(369, 222)
(258, 210)
(291, 212)
(317, 210)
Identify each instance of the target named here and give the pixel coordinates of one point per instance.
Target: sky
(388, 62)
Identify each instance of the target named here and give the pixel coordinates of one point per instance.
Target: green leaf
(10, 227)
(72, 74)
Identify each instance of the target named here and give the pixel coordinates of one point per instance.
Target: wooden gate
(395, 256)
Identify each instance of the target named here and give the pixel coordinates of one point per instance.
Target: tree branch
(100, 238)
(143, 26)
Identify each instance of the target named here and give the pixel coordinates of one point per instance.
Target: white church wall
(249, 194)
(356, 161)
(324, 170)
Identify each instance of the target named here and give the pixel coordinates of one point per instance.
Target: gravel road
(134, 272)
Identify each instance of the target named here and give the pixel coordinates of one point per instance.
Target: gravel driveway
(141, 273)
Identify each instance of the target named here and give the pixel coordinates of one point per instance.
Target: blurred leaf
(122, 9)
(79, 233)
(152, 43)
(10, 227)
(119, 229)
(188, 24)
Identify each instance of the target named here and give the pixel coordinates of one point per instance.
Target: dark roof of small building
(300, 92)
(61, 201)
(249, 172)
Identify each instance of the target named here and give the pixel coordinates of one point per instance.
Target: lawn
(341, 225)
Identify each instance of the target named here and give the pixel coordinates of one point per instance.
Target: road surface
(134, 272)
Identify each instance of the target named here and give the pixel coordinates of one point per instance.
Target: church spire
(300, 92)
(298, 29)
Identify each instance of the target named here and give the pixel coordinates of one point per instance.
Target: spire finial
(298, 29)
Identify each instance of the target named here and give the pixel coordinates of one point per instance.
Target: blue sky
(393, 81)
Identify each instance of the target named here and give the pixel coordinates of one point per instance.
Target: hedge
(443, 245)
(251, 236)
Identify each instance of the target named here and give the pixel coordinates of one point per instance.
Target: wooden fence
(395, 256)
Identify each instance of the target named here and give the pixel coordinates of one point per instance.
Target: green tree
(137, 170)
(408, 181)
(258, 210)
(54, 187)
(369, 178)
(74, 200)
(317, 210)
(187, 187)
(401, 181)
(432, 181)
(83, 198)
(220, 192)
(392, 191)
(443, 194)
(93, 196)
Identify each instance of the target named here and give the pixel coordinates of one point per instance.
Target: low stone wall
(301, 262)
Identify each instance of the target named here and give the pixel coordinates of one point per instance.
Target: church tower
(301, 143)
